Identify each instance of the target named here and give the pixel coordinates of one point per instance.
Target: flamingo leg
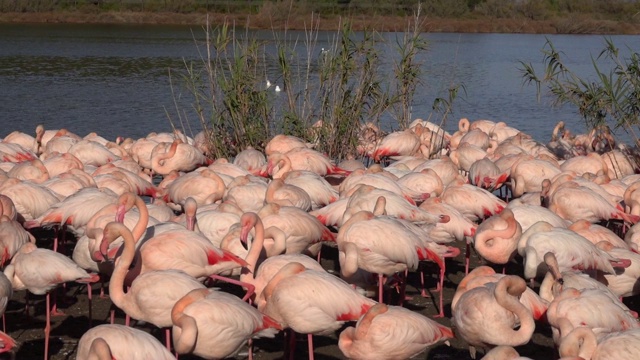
(250, 346)
(90, 307)
(467, 256)
(380, 288)
(441, 285)
(250, 288)
(310, 341)
(54, 308)
(167, 338)
(47, 328)
(403, 288)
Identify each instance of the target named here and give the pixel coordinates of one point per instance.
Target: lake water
(114, 79)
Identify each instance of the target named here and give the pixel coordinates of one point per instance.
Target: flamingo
(109, 341)
(205, 187)
(318, 189)
(582, 342)
(496, 238)
(6, 292)
(279, 192)
(527, 174)
(466, 155)
(483, 275)
(623, 283)
(503, 352)
(391, 332)
(312, 302)
(250, 159)
(178, 156)
(403, 143)
(92, 153)
(303, 230)
(473, 202)
(283, 144)
(33, 170)
(572, 251)
(555, 281)
(12, 237)
(485, 316)
(247, 192)
(574, 202)
(30, 200)
(214, 325)
(588, 307)
(444, 167)
(301, 159)
(597, 233)
(486, 174)
(152, 294)
(40, 271)
(425, 181)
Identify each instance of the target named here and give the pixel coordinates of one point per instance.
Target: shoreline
(578, 25)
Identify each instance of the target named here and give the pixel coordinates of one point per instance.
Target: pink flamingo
(473, 202)
(40, 271)
(623, 283)
(284, 194)
(251, 159)
(92, 153)
(303, 230)
(597, 233)
(247, 192)
(30, 200)
(527, 175)
(466, 155)
(318, 189)
(590, 308)
(574, 202)
(403, 143)
(496, 238)
(301, 159)
(485, 316)
(152, 294)
(283, 144)
(391, 332)
(33, 170)
(214, 325)
(205, 187)
(175, 156)
(582, 342)
(572, 251)
(6, 292)
(312, 302)
(483, 275)
(486, 174)
(109, 341)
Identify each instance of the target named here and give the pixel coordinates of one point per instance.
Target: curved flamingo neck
(252, 220)
(116, 285)
(275, 185)
(283, 163)
(158, 160)
(581, 342)
(505, 293)
(143, 220)
(365, 323)
(186, 341)
(100, 350)
(348, 258)
(286, 271)
(279, 240)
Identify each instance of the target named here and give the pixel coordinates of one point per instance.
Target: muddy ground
(66, 330)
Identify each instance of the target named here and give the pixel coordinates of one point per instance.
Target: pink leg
(441, 302)
(310, 340)
(467, 256)
(250, 288)
(380, 288)
(54, 309)
(403, 288)
(167, 338)
(319, 257)
(47, 328)
(292, 344)
(90, 307)
(4, 324)
(250, 346)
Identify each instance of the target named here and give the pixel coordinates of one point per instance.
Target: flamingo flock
(213, 254)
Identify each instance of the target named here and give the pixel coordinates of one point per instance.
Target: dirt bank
(577, 25)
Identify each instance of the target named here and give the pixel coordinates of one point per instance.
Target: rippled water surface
(115, 79)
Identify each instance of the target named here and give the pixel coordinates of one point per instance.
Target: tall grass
(327, 94)
(612, 99)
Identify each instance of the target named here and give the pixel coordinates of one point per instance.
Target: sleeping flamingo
(120, 342)
(391, 332)
(214, 325)
(485, 316)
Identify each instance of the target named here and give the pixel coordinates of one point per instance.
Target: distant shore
(379, 23)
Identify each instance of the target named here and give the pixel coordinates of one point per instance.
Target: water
(114, 79)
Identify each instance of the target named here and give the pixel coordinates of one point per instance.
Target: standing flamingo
(391, 332)
(214, 325)
(152, 294)
(312, 302)
(485, 316)
(40, 271)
